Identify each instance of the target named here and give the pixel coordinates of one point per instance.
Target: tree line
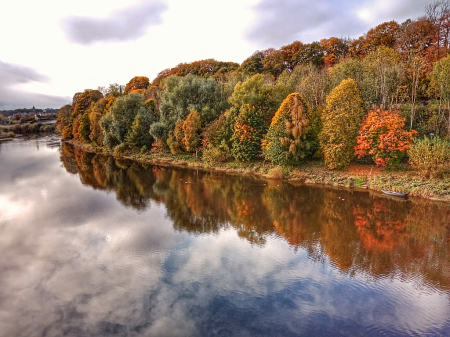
(372, 98)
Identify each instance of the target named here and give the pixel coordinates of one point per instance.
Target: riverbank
(308, 173)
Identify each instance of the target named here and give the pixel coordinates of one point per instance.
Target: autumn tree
(341, 119)
(192, 128)
(285, 142)
(76, 127)
(63, 121)
(311, 53)
(137, 84)
(334, 49)
(248, 132)
(289, 51)
(81, 103)
(382, 137)
(440, 84)
(383, 35)
(84, 129)
(385, 73)
(438, 13)
(99, 109)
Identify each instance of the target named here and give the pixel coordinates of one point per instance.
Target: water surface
(94, 246)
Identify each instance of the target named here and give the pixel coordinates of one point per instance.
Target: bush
(276, 173)
(11, 134)
(48, 128)
(216, 154)
(429, 158)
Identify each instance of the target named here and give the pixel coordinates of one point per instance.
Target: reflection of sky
(75, 262)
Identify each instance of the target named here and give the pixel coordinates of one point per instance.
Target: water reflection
(95, 246)
(374, 235)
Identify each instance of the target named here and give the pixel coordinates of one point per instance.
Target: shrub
(216, 154)
(48, 128)
(429, 158)
(11, 134)
(276, 173)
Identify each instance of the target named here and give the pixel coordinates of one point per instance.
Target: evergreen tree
(285, 142)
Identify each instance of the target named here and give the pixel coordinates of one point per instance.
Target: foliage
(137, 84)
(256, 92)
(76, 127)
(285, 142)
(341, 119)
(158, 130)
(216, 153)
(429, 158)
(85, 128)
(248, 132)
(440, 84)
(180, 95)
(191, 129)
(382, 136)
(63, 119)
(128, 122)
(384, 73)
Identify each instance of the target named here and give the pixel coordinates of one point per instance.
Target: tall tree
(341, 119)
(285, 142)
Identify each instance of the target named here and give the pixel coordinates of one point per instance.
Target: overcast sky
(51, 49)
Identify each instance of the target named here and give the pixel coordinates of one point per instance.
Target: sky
(52, 49)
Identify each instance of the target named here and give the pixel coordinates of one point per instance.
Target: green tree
(180, 95)
(248, 132)
(341, 120)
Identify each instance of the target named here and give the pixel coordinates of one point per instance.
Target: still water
(94, 246)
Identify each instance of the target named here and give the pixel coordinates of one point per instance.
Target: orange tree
(136, 84)
(382, 136)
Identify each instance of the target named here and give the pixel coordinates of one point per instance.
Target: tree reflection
(358, 233)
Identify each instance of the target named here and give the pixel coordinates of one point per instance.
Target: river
(95, 246)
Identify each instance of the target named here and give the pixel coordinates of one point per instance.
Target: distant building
(40, 117)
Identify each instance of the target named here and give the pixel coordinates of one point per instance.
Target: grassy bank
(308, 173)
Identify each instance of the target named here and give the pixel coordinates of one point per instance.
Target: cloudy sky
(52, 49)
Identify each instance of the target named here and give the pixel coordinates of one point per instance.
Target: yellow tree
(341, 120)
(192, 127)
